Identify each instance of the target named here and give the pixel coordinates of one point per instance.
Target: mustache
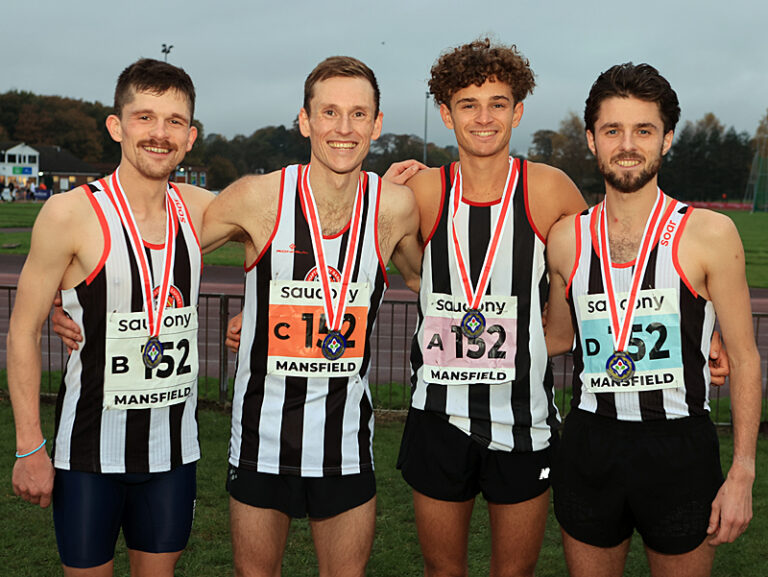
(158, 144)
(626, 156)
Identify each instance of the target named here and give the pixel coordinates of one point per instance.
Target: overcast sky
(249, 58)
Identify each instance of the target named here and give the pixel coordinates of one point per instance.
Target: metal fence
(390, 344)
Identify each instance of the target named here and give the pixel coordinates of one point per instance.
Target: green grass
(19, 214)
(29, 547)
(753, 229)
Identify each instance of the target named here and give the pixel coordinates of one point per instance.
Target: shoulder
(72, 208)
(194, 196)
(704, 224)
(561, 243)
(552, 195)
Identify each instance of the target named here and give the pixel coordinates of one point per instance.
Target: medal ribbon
(334, 313)
(475, 297)
(120, 201)
(622, 329)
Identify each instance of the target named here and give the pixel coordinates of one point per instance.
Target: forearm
(24, 387)
(745, 407)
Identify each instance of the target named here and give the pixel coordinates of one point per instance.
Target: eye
(612, 132)
(359, 114)
(329, 113)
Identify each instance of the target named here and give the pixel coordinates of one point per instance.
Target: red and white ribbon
(334, 312)
(622, 328)
(475, 296)
(120, 201)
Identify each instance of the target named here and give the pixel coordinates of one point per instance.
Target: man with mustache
(125, 252)
(643, 275)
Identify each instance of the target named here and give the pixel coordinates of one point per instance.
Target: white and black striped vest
(304, 425)
(517, 414)
(696, 321)
(88, 437)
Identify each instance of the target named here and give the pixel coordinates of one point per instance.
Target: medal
(153, 349)
(153, 353)
(334, 344)
(620, 365)
(473, 323)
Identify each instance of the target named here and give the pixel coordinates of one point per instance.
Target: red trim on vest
(527, 207)
(248, 267)
(104, 231)
(382, 264)
(577, 228)
(443, 193)
(675, 244)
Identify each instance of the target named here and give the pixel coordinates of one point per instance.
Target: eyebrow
(608, 125)
(493, 98)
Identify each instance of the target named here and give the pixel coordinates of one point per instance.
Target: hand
(732, 507)
(33, 478)
(64, 326)
(401, 172)
(719, 366)
(234, 326)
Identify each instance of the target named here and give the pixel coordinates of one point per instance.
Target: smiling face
(629, 142)
(482, 118)
(341, 122)
(155, 132)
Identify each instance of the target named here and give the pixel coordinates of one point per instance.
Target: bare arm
(552, 196)
(400, 217)
(244, 211)
(561, 254)
(712, 240)
(52, 251)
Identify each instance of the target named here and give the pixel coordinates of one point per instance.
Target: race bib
(654, 343)
(297, 327)
(128, 383)
(452, 358)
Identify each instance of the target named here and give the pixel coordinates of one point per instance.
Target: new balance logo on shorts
(544, 474)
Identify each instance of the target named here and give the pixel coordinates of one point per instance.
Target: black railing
(390, 344)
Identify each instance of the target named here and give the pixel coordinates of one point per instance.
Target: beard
(158, 171)
(627, 182)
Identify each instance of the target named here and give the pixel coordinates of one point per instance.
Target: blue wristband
(31, 452)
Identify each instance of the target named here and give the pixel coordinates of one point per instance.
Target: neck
(144, 194)
(484, 177)
(334, 196)
(633, 207)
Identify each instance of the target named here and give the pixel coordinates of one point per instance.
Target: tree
(707, 162)
(567, 150)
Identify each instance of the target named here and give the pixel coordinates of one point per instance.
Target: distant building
(19, 164)
(58, 168)
(191, 174)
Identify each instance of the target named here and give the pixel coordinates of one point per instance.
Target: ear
(591, 142)
(191, 137)
(445, 114)
(114, 128)
(377, 125)
(517, 114)
(667, 143)
(304, 123)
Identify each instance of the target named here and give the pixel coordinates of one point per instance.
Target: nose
(484, 115)
(627, 141)
(158, 129)
(344, 125)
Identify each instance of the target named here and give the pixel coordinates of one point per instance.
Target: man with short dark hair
(643, 275)
(125, 253)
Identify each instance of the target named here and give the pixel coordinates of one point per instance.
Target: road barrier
(390, 352)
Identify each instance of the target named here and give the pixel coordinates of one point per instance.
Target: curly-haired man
(482, 416)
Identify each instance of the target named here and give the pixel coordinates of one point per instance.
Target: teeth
(346, 145)
(484, 132)
(156, 149)
(627, 163)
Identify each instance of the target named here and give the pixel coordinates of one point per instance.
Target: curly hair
(476, 62)
(641, 81)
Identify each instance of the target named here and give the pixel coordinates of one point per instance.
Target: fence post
(223, 364)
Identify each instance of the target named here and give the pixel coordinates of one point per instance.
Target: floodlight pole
(426, 111)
